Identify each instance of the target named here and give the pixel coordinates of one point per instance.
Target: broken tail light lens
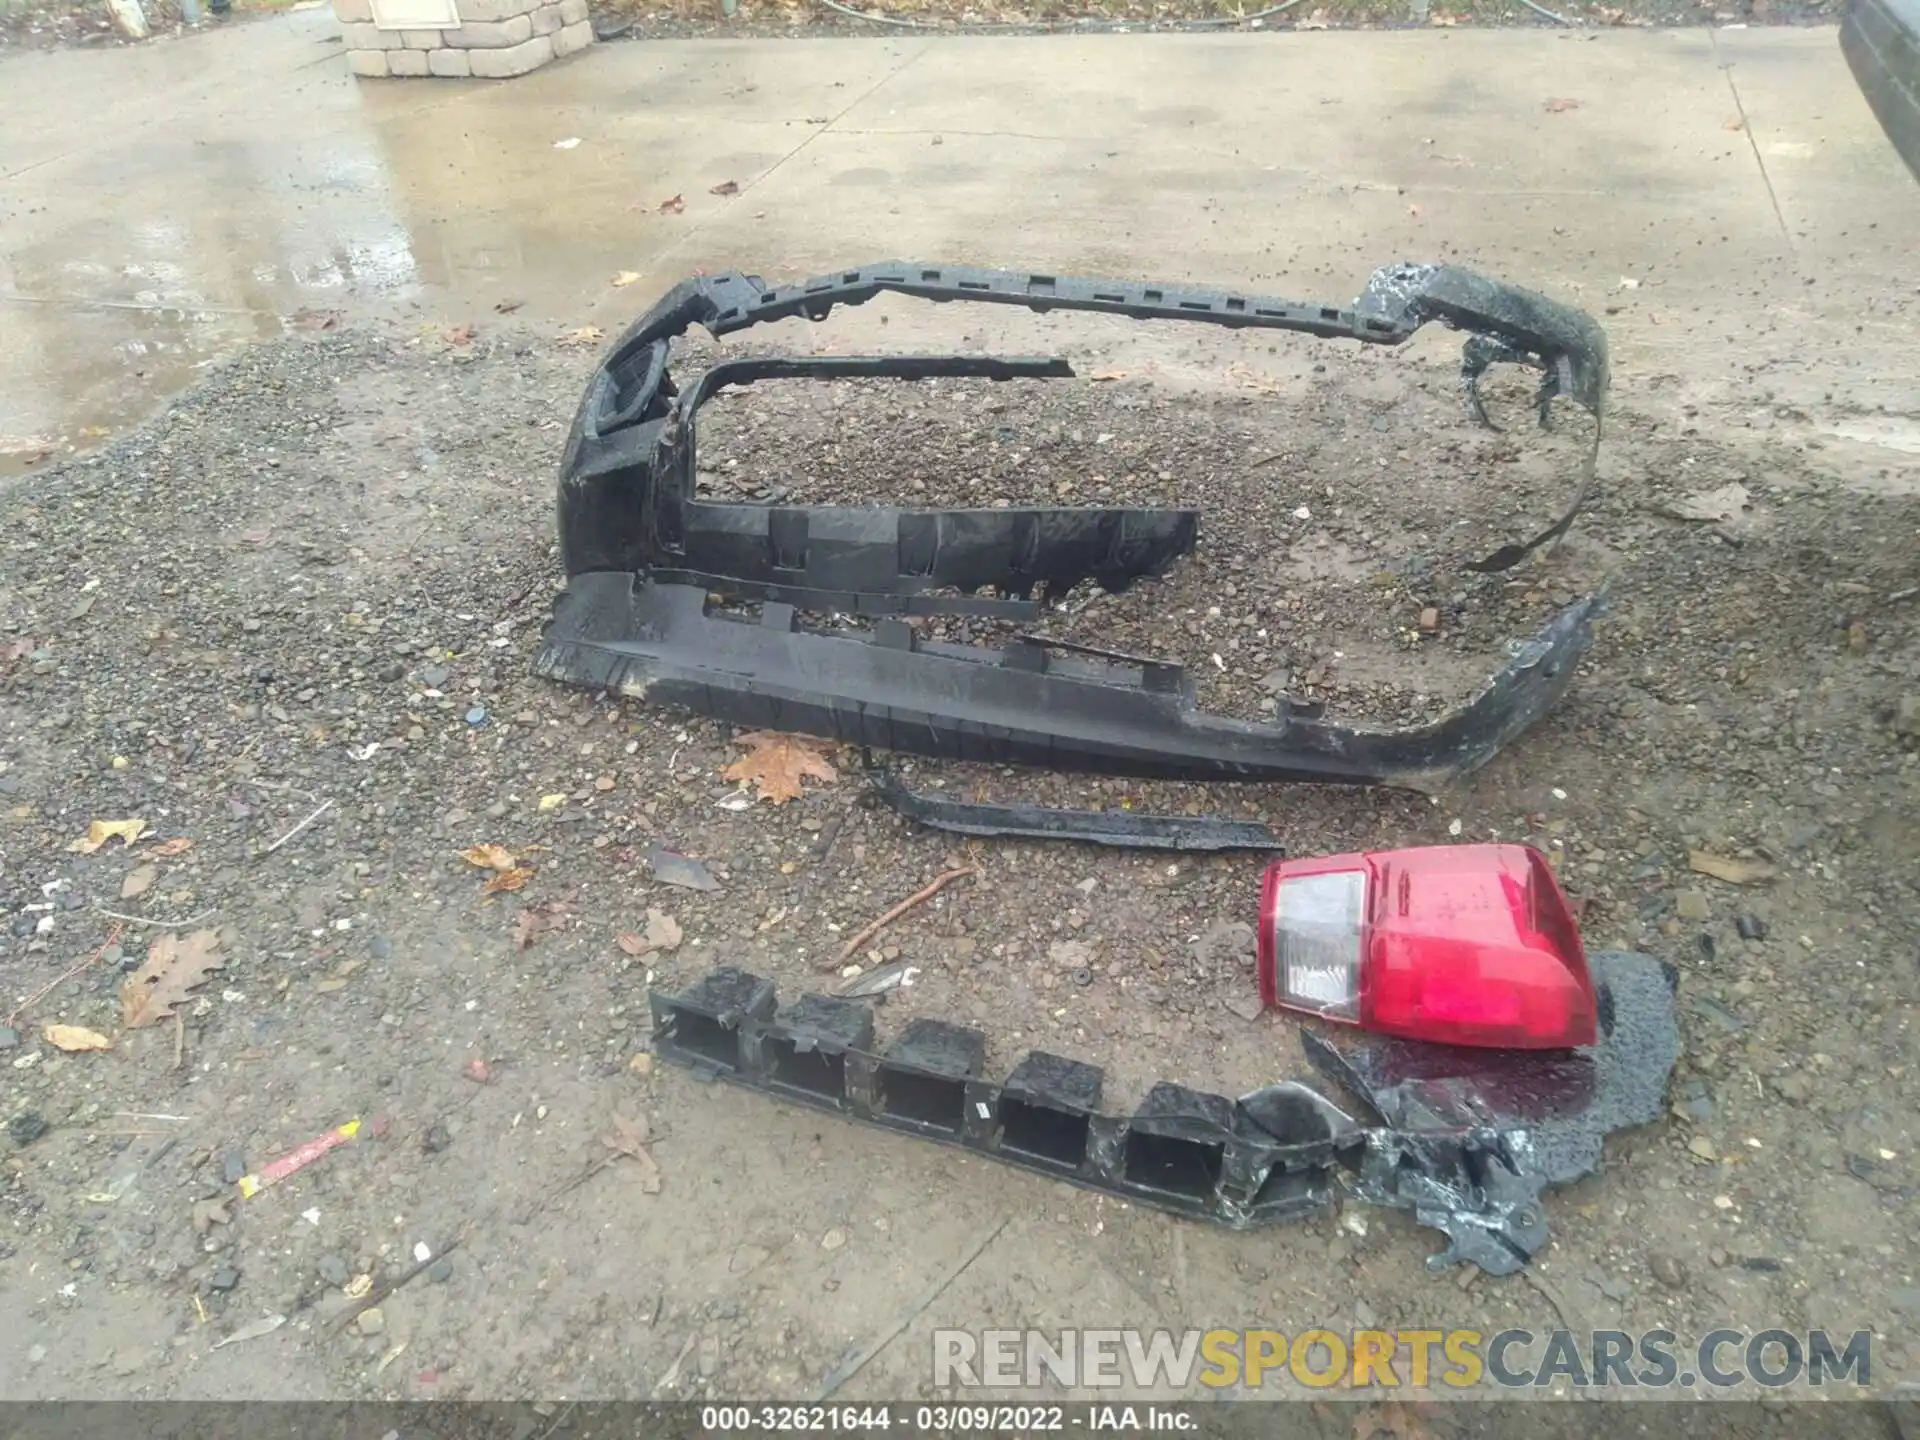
(1457, 944)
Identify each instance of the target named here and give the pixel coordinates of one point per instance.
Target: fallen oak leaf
(174, 965)
(629, 1141)
(777, 763)
(533, 921)
(663, 931)
(632, 942)
(508, 881)
(101, 831)
(74, 1038)
(139, 880)
(489, 857)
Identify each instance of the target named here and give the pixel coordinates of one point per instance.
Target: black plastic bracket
(1467, 1140)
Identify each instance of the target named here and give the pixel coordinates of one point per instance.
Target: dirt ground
(314, 585)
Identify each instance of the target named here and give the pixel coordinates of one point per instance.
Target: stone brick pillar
(493, 39)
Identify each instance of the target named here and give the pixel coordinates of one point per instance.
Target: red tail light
(1459, 944)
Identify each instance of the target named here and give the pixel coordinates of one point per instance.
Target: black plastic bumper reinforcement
(1465, 1139)
(643, 554)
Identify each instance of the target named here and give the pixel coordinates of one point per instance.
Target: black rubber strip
(1195, 834)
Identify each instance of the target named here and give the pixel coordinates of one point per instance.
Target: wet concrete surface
(164, 205)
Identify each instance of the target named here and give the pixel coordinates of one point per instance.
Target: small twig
(61, 979)
(853, 1363)
(179, 1040)
(325, 805)
(277, 785)
(554, 1424)
(380, 1292)
(159, 924)
(919, 897)
(568, 1187)
(673, 1370)
(1552, 1294)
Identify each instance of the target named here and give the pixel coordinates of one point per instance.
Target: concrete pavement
(1725, 197)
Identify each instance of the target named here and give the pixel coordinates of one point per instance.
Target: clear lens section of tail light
(1316, 942)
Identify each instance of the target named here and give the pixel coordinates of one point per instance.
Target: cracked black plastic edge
(1022, 704)
(1127, 829)
(627, 479)
(1468, 1141)
(642, 553)
(1487, 1131)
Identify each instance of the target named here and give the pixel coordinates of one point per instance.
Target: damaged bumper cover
(1465, 1140)
(644, 555)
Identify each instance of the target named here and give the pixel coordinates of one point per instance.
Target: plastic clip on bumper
(643, 553)
(1466, 1140)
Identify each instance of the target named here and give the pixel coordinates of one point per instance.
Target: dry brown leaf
(139, 880)
(776, 764)
(507, 881)
(624, 278)
(533, 921)
(1560, 106)
(630, 1140)
(726, 187)
(489, 857)
(632, 942)
(583, 336)
(1390, 1420)
(461, 335)
(673, 204)
(1734, 872)
(1101, 375)
(507, 307)
(175, 964)
(101, 831)
(663, 931)
(167, 849)
(72, 1038)
(207, 1214)
(305, 319)
(477, 1070)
